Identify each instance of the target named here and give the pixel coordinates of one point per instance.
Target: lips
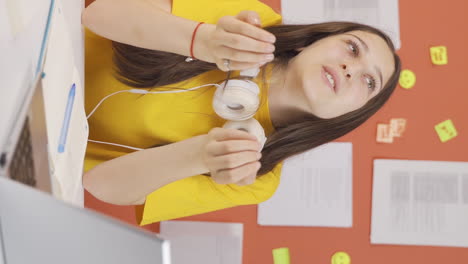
(335, 78)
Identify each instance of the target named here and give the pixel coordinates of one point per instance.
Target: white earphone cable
(103, 99)
(114, 144)
(137, 91)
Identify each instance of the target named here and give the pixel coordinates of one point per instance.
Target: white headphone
(237, 102)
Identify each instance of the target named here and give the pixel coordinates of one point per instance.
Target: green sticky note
(446, 130)
(281, 256)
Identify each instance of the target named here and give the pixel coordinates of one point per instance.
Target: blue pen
(66, 119)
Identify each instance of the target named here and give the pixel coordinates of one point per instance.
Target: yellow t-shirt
(147, 120)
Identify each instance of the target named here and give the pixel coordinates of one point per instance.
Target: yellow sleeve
(210, 11)
(200, 194)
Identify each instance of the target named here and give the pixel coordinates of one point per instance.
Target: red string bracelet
(193, 38)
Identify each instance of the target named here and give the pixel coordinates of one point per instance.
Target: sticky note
(439, 55)
(397, 127)
(446, 130)
(341, 258)
(281, 256)
(407, 79)
(383, 133)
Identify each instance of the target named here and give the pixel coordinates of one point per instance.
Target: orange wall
(440, 93)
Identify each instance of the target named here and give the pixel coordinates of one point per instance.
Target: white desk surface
(72, 10)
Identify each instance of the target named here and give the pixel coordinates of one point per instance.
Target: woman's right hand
(238, 39)
(231, 156)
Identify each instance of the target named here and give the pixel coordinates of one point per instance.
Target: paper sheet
(315, 190)
(420, 203)
(20, 15)
(382, 14)
(7, 30)
(204, 242)
(60, 73)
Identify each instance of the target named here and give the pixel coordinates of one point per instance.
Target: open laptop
(25, 156)
(36, 228)
(23, 134)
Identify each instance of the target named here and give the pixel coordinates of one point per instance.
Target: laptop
(25, 157)
(36, 228)
(23, 133)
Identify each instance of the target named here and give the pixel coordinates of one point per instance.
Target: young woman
(317, 83)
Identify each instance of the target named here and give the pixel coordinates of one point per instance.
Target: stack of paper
(315, 190)
(420, 203)
(204, 242)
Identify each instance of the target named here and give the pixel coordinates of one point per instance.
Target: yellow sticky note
(446, 130)
(341, 258)
(439, 55)
(407, 79)
(281, 256)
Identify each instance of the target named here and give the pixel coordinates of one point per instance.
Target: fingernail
(270, 48)
(257, 21)
(271, 38)
(269, 57)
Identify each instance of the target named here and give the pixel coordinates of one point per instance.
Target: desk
(440, 93)
(64, 65)
(72, 10)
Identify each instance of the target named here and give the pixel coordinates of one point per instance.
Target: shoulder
(270, 182)
(260, 191)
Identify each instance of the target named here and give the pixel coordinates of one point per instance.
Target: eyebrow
(367, 50)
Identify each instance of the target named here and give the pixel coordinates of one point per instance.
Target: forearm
(142, 23)
(130, 178)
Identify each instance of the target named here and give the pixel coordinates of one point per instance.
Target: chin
(325, 116)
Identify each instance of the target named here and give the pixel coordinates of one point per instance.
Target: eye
(354, 48)
(371, 84)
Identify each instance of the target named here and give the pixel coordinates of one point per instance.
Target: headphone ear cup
(251, 126)
(238, 101)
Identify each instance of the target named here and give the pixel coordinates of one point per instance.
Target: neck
(283, 101)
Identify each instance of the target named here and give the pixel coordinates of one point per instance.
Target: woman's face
(339, 74)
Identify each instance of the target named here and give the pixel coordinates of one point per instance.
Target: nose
(352, 69)
(346, 71)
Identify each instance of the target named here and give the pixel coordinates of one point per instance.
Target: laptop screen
(23, 36)
(36, 228)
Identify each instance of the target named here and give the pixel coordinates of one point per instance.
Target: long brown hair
(143, 68)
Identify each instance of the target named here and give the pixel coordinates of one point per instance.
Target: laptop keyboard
(22, 166)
